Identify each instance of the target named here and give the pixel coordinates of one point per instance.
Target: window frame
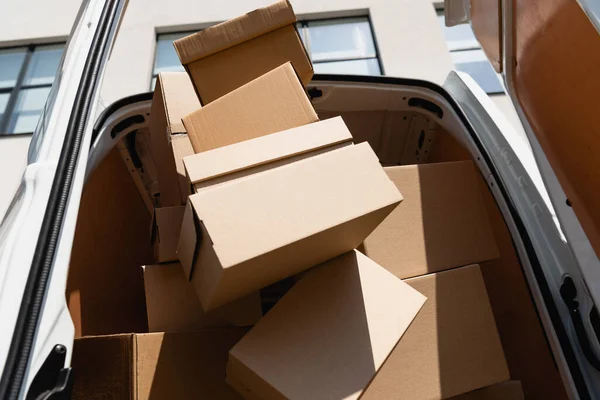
(301, 28)
(19, 85)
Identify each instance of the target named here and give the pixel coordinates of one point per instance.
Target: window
(468, 56)
(341, 46)
(26, 76)
(166, 59)
(336, 46)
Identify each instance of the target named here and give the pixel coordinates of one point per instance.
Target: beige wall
(13, 158)
(409, 38)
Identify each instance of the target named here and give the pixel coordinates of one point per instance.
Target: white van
(79, 202)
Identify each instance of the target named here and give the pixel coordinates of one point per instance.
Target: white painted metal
(20, 229)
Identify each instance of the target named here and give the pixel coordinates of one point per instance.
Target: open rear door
(549, 55)
(36, 235)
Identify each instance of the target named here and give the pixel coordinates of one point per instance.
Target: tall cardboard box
(273, 102)
(441, 224)
(149, 366)
(172, 304)
(166, 226)
(226, 56)
(173, 98)
(452, 346)
(266, 152)
(248, 233)
(328, 336)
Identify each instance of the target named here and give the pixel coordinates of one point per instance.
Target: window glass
(340, 39)
(3, 102)
(43, 65)
(166, 59)
(475, 63)
(352, 67)
(28, 108)
(458, 37)
(468, 56)
(11, 61)
(26, 77)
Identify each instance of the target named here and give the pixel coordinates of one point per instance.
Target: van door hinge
(52, 381)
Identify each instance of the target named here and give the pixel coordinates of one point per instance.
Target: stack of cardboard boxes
(254, 189)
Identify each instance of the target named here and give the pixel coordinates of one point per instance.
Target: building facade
(404, 38)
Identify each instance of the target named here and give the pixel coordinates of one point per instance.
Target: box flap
(227, 34)
(328, 336)
(271, 103)
(173, 306)
(452, 346)
(442, 222)
(189, 240)
(250, 153)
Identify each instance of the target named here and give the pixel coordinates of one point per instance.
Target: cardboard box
(266, 152)
(328, 336)
(173, 98)
(452, 346)
(441, 224)
(265, 227)
(172, 304)
(226, 56)
(273, 102)
(166, 226)
(147, 366)
(509, 390)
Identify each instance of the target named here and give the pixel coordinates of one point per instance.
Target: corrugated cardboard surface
(509, 390)
(527, 352)
(266, 149)
(441, 224)
(173, 306)
(174, 97)
(154, 365)
(452, 346)
(328, 335)
(226, 56)
(268, 226)
(235, 31)
(271, 103)
(105, 292)
(166, 226)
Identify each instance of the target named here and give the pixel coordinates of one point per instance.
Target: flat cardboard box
(508, 390)
(328, 336)
(273, 102)
(221, 58)
(265, 152)
(265, 227)
(173, 98)
(148, 366)
(441, 224)
(166, 226)
(172, 304)
(452, 346)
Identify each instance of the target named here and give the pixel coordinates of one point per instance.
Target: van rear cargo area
(105, 289)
